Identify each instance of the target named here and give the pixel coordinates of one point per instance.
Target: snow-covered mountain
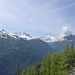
(6, 35)
(48, 38)
(23, 35)
(17, 35)
(70, 38)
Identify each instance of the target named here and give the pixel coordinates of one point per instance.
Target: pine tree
(18, 69)
(45, 68)
(55, 64)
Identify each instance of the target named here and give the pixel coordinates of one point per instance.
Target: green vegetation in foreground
(54, 64)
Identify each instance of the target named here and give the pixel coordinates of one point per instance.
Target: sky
(37, 17)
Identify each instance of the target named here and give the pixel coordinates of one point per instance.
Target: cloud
(39, 9)
(7, 15)
(65, 31)
(26, 4)
(60, 8)
(47, 4)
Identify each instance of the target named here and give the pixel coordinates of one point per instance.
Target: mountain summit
(48, 38)
(4, 34)
(23, 35)
(16, 35)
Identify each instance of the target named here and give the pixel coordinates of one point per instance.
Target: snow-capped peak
(48, 38)
(17, 35)
(23, 35)
(3, 31)
(6, 35)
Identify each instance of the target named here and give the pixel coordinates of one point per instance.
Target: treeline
(54, 64)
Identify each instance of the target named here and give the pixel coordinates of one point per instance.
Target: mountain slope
(61, 45)
(25, 51)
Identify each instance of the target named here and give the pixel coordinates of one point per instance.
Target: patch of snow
(48, 38)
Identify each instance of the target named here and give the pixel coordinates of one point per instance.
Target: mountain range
(23, 35)
(26, 49)
(54, 42)
(15, 47)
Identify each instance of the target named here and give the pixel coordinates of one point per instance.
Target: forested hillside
(26, 51)
(54, 64)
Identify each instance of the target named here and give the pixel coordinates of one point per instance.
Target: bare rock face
(73, 72)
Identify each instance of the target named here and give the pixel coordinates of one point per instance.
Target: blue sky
(37, 17)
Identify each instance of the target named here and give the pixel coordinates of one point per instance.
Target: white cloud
(46, 5)
(65, 31)
(60, 8)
